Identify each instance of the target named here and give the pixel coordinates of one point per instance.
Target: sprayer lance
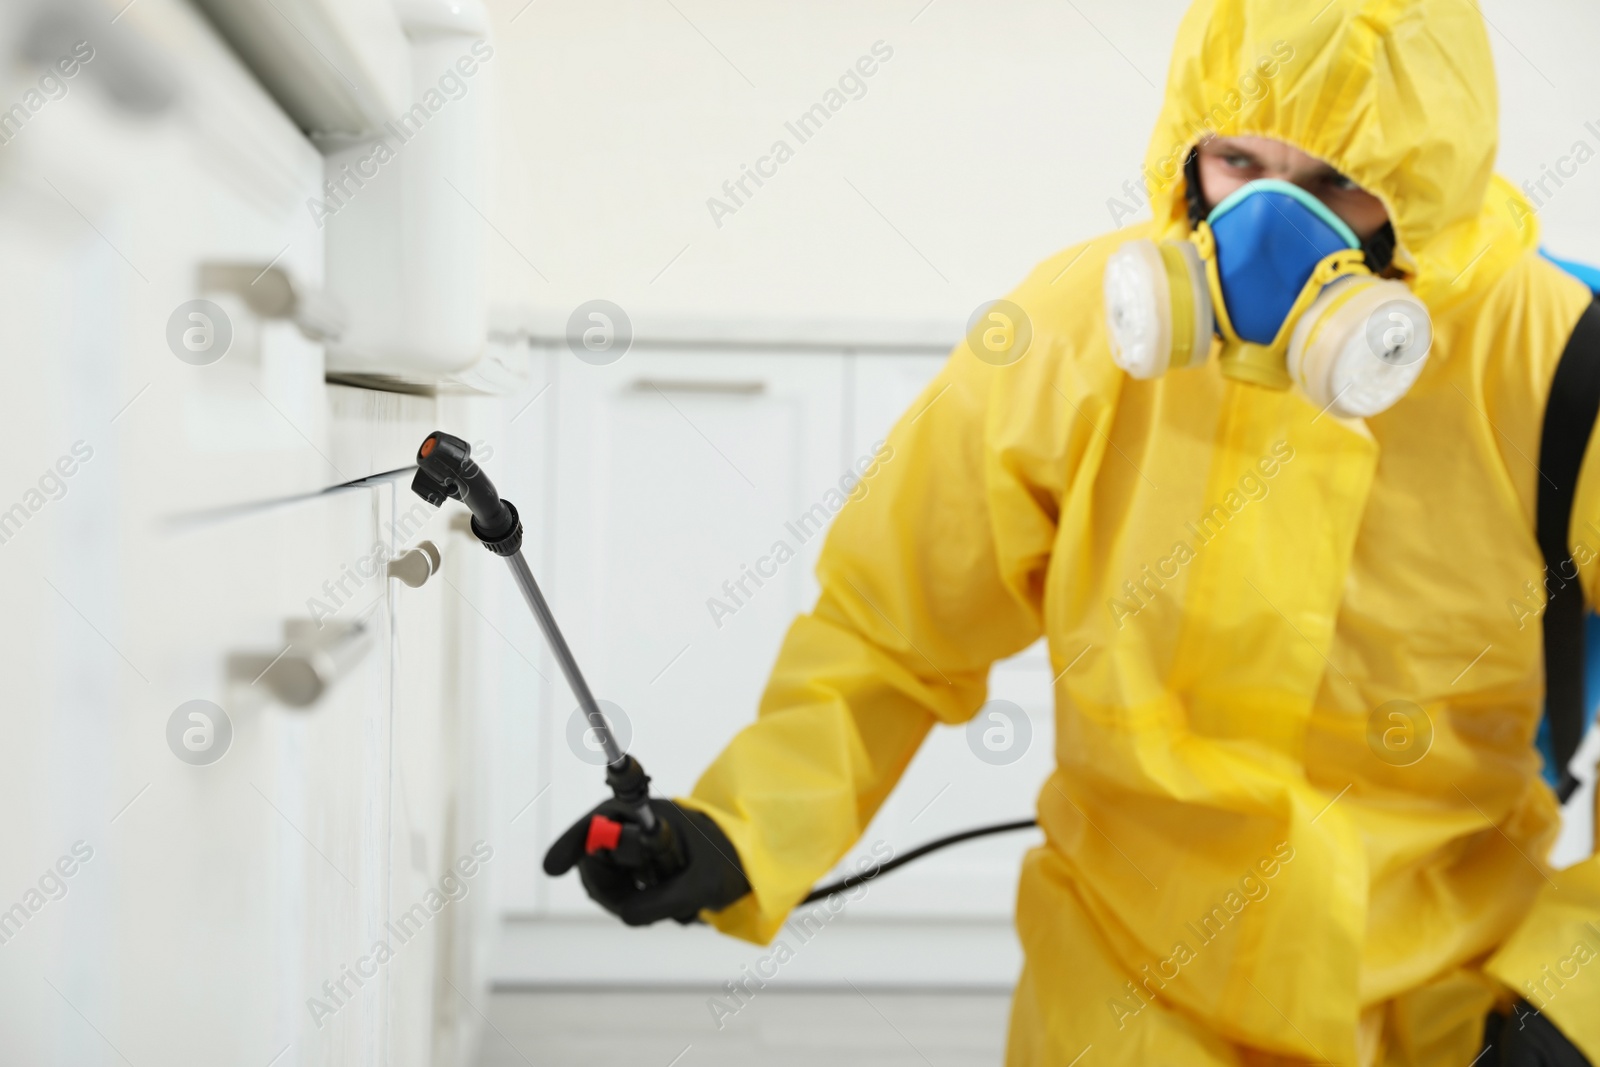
(446, 470)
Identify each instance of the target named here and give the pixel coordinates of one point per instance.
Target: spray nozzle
(446, 469)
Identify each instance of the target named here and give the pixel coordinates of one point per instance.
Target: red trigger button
(604, 833)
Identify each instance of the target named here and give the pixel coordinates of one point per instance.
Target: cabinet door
(168, 522)
(283, 844)
(444, 847)
(678, 473)
(217, 897)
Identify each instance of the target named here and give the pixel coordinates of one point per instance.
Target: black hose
(854, 880)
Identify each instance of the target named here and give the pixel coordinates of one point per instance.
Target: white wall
(992, 138)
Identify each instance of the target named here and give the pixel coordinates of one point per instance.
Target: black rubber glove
(688, 865)
(1526, 1038)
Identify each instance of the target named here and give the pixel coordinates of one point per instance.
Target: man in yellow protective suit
(1215, 738)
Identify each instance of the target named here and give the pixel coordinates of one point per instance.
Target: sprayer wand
(446, 470)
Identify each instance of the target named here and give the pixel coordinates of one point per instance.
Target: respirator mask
(1285, 284)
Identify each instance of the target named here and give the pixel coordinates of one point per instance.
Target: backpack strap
(1569, 420)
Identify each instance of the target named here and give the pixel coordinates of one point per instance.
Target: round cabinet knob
(416, 565)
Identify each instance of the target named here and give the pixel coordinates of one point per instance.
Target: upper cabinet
(339, 68)
(394, 95)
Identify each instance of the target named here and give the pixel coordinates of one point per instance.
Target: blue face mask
(1270, 236)
(1279, 285)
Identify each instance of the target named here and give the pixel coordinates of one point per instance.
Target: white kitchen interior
(253, 251)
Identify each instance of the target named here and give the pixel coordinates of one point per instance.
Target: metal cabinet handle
(271, 292)
(692, 385)
(415, 566)
(316, 655)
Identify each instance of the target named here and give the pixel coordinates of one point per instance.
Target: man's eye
(1239, 162)
(1343, 184)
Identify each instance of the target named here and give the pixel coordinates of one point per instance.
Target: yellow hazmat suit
(1232, 873)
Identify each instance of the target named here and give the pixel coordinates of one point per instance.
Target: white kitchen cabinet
(170, 518)
(676, 471)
